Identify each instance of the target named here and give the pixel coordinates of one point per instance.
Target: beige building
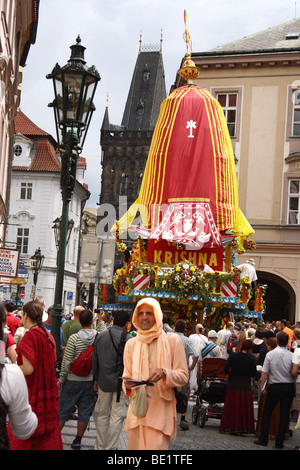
(89, 253)
(256, 80)
(19, 20)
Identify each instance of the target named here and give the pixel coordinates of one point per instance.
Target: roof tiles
(26, 127)
(270, 39)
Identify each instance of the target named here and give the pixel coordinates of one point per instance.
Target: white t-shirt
(199, 341)
(248, 270)
(296, 360)
(14, 392)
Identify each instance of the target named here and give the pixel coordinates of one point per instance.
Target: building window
(123, 185)
(22, 240)
(26, 191)
(146, 74)
(294, 202)
(228, 101)
(18, 150)
(296, 114)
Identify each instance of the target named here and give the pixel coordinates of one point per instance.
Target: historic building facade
(35, 205)
(256, 80)
(18, 29)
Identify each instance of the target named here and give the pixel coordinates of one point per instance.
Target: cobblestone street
(196, 438)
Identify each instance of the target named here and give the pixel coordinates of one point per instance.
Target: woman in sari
(37, 359)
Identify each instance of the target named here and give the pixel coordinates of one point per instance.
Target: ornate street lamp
(36, 264)
(56, 227)
(74, 89)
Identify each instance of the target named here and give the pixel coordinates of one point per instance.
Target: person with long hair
(241, 337)
(37, 358)
(238, 412)
(13, 396)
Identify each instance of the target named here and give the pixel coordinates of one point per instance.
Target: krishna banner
(163, 252)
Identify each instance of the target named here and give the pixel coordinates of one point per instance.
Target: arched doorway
(280, 297)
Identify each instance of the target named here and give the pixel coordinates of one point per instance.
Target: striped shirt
(77, 344)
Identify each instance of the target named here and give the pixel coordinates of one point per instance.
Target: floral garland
(250, 245)
(244, 291)
(121, 246)
(120, 281)
(102, 297)
(184, 280)
(259, 303)
(241, 244)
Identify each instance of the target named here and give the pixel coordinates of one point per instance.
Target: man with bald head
(72, 326)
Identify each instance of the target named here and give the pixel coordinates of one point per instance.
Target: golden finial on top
(188, 71)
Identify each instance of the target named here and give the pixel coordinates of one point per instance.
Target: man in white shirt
(14, 393)
(248, 270)
(199, 341)
(276, 370)
(224, 339)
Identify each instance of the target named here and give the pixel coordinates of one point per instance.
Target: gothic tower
(125, 148)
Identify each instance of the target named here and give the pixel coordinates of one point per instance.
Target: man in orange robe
(159, 358)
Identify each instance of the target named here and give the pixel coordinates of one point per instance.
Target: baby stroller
(212, 386)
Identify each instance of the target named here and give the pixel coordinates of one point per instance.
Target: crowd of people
(137, 374)
(260, 359)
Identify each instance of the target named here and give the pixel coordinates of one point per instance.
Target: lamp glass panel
(59, 96)
(73, 85)
(87, 102)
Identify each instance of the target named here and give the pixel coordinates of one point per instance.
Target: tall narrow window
(294, 202)
(26, 191)
(123, 185)
(228, 101)
(296, 114)
(22, 240)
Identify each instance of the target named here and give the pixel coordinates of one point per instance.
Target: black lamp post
(74, 89)
(36, 264)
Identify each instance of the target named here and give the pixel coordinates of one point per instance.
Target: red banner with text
(167, 253)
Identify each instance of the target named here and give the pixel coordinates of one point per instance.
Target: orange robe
(161, 415)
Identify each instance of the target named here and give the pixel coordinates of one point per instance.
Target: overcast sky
(110, 31)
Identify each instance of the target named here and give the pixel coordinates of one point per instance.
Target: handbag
(139, 403)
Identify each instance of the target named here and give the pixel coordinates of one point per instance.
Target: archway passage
(280, 298)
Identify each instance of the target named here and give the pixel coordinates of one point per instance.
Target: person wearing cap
(159, 359)
(237, 327)
(211, 349)
(248, 270)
